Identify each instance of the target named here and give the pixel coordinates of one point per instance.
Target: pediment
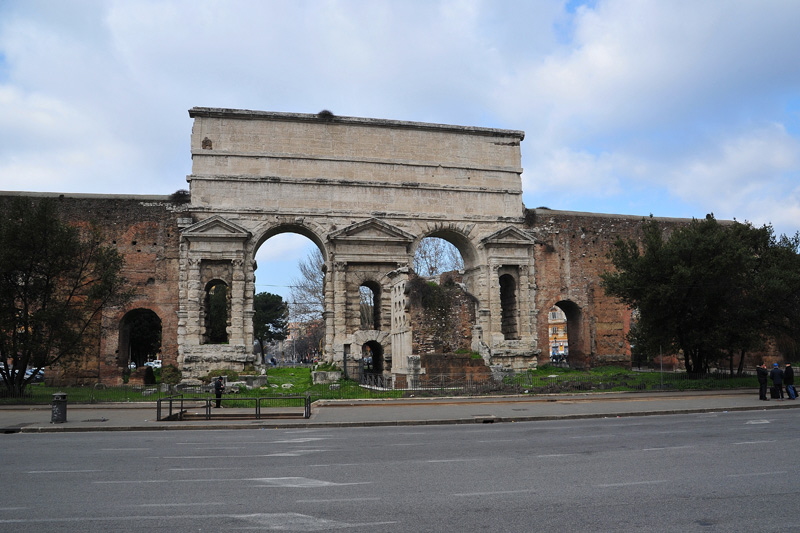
(215, 227)
(372, 230)
(508, 236)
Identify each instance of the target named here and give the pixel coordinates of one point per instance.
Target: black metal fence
(373, 385)
(183, 407)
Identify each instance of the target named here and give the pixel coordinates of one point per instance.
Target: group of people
(780, 379)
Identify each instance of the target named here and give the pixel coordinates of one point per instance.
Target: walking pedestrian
(762, 375)
(788, 381)
(776, 375)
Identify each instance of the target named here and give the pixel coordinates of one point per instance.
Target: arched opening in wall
(508, 304)
(290, 274)
(217, 312)
(139, 338)
(575, 350)
(558, 339)
(372, 364)
(370, 305)
(436, 255)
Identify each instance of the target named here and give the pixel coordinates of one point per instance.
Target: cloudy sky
(676, 108)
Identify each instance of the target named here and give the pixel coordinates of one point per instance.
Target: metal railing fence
(379, 386)
(178, 407)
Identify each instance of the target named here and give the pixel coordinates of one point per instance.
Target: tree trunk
(740, 370)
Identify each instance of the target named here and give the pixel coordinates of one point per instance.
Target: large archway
(139, 338)
(578, 353)
(290, 267)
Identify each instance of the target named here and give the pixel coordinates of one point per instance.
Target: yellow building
(557, 330)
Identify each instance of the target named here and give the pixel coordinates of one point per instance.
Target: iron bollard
(59, 406)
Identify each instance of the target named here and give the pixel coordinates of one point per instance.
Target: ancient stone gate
(366, 192)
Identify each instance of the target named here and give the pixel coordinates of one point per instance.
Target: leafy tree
(270, 321)
(710, 290)
(54, 281)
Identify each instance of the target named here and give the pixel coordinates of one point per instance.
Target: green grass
(544, 380)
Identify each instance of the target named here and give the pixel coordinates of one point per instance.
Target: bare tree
(435, 256)
(307, 295)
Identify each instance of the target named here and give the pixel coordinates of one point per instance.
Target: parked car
(132, 365)
(154, 364)
(38, 376)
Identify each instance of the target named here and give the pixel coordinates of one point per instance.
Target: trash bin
(59, 405)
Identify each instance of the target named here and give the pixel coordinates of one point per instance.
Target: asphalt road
(714, 472)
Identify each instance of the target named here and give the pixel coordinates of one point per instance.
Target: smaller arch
(216, 312)
(302, 227)
(372, 357)
(508, 305)
(458, 237)
(575, 338)
(139, 337)
(370, 305)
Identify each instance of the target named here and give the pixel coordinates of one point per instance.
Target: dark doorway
(139, 338)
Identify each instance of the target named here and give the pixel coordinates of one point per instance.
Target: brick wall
(144, 230)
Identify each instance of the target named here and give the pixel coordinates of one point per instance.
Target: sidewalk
(395, 412)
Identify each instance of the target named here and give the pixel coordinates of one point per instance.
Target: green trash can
(59, 405)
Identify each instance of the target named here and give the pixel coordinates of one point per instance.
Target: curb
(490, 419)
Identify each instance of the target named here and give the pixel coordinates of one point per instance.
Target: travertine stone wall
(366, 192)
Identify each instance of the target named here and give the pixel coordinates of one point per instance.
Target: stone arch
(376, 343)
(139, 337)
(216, 312)
(509, 298)
(455, 234)
(577, 339)
(370, 312)
(301, 226)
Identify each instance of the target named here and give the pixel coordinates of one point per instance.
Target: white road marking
(753, 474)
(204, 504)
(337, 500)
(301, 482)
(491, 493)
(666, 448)
(271, 521)
(296, 453)
(61, 471)
(754, 442)
(336, 464)
(631, 483)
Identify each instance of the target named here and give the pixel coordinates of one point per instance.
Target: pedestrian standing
(776, 375)
(788, 381)
(762, 375)
(219, 388)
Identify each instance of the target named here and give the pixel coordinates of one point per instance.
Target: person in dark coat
(788, 379)
(776, 375)
(762, 374)
(219, 388)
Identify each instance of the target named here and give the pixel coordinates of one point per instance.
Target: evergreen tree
(710, 290)
(270, 320)
(54, 282)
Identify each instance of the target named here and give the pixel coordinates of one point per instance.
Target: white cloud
(757, 172)
(624, 101)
